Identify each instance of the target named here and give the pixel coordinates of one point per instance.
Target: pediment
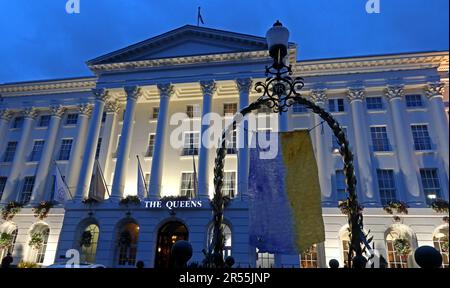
(185, 41)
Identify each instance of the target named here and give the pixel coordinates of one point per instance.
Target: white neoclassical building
(394, 109)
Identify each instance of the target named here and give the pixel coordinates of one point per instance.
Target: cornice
(57, 86)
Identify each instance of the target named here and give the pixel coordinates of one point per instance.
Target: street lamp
(279, 92)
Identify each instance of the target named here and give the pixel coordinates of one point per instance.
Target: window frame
(375, 105)
(71, 119)
(423, 140)
(36, 155)
(385, 144)
(66, 151)
(387, 187)
(9, 154)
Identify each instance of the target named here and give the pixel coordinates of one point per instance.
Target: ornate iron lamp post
(279, 92)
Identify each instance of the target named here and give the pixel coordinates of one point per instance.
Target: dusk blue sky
(39, 40)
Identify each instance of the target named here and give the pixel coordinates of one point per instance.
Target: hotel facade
(394, 109)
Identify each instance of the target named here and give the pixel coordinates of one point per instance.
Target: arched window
(440, 241)
(344, 237)
(226, 234)
(311, 257)
(400, 244)
(11, 237)
(88, 243)
(265, 260)
(39, 235)
(127, 240)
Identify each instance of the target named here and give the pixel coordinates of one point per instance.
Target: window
(380, 139)
(345, 250)
(4, 251)
(127, 248)
(440, 241)
(89, 243)
(413, 101)
(395, 260)
(187, 184)
(341, 189)
(309, 258)
(229, 184)
(231, 143)
(298, 108)
(227, 235)
(10, 152)
(386, 185)
(421, 137)
(18, 122)
(155, 113)
(374, 103)
(229, 109)
(431, 184)
(27, 188)
(334, 141)
(64, 152)
(40, 253)
(44, 120)
(37, 150)
(98, 149)
(191, 143)
(193, 111)
(265, 260)
(72, 119)
(151, 145)
(336, 105)
(2, 185)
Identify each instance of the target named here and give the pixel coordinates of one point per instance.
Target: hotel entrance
(167, 236)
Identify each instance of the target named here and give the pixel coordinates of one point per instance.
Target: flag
(199, 17)
(141, 186)
(98, 185)
(284, 196)
(62, 193)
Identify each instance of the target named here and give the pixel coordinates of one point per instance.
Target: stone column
(208, 89)
(322, 136)
(87, 166)
(405, 151)
(165, 91)
(11, 188)
(244, 86)
(45, 162)
(367, 194)
(435, 95)
(133, 93)
(109, 127)
(76, 155)
(5, 118)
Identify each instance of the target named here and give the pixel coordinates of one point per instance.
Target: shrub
(27, 265)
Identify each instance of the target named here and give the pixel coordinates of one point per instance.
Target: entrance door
(167, 236)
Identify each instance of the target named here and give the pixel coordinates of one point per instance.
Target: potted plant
(37, 241)
(345, 209)
(42, 209)
(402, 247)
(440, 206)
(86, 239)
(6, 241)
(397, 207)
(10, 210)
(130, 199)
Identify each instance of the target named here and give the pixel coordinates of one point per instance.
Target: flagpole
(64, 181)
(103, 178)
(195, 175)
(198, 17)
(142, 174)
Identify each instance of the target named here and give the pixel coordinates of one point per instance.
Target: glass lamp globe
(277, 41)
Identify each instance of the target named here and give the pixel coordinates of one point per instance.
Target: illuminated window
(309, 258)
(40, 255)
(431, 184)
(230, 143)
(440, 241)
(88, 243)
(396, 259)
(13, 235)
(193, 110)
(187, 184)
(151, 145)
(229, 184)
(265, 260)
(229, 109)
(191, 143)
(127, 244)
(228, 237)
(155, 113)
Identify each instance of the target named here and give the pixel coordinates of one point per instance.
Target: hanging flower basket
(6, 241)
(133, 200)
(402, 247)
(345, 208)
(397, 207)
(440, 206)
(86, 239)
(41, 211)
(10, 210)
(37, 241)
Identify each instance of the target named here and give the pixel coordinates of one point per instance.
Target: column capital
(356, 94)
(133, 92)
(30, 112)
(101, 94)
(244, 84)
(165, 90)
(434, 89)
(394, 91)
(57, 110)
(85, 109)
(6, 114)
(208, 87)
(319, 95)
(112, 107)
